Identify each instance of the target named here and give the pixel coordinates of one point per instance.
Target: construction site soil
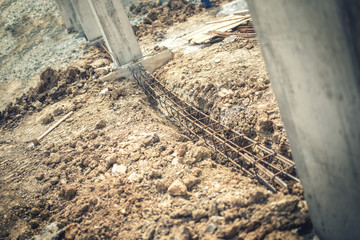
(117, 168)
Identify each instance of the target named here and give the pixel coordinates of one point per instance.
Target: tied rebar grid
(252, 158)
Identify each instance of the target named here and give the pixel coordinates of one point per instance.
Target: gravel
(32, 37)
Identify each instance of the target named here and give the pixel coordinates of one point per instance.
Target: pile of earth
(117, 169)
(229, 81)
(55, 85)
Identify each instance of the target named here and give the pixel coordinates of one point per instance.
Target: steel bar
(251, 157)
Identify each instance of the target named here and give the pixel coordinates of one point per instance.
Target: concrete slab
(69, 16)
(87, 19)
(149, 63)
(116, 30)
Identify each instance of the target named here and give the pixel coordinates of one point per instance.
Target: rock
(200, 153)
(101, 124)
(181, 151)
(135, 156)
(149, 233)
(177, 188)
(39, 176)
(153, 15)
(48, 118)
(58, 111)
(68, 192)
(111, 160)
(54, 180)
(196, 171)
(230, 231)
(118, 170)
(258, 196)
(149, 141)
(190, 182)
(181, 233)
(100, 63)
(211, 228)
(198, 214)
(34, 223)
(213, 210)
(181, 213)
(155, 174)
(161, 186)
(134, 177)
(51, 231)
(285, 204)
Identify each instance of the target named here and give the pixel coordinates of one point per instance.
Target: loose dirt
(118, 169)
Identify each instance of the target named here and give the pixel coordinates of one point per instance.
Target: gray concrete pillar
(87, 19)
(116, 30)
(312, 51)
(69, 16)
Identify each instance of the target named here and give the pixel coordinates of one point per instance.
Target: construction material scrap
(223, 28)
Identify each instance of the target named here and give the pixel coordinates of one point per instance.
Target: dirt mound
(160, 18)
(55, 85)
(232, 86)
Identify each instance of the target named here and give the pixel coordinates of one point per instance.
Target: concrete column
(312, 51)
(87, 19)
(69, 16)
(116, 30)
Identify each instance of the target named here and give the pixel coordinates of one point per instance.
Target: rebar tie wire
(250, 157)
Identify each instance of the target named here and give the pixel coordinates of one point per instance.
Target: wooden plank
(223, 25)
(204, 29)
(225, 20)
(205, 36)
(202, 33)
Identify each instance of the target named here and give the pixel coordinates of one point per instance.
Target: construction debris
(222, 28)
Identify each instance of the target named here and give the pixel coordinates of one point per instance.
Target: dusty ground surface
(118, 169)
(32, 37)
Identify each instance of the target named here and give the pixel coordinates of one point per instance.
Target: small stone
(190, 182)
(258, 196)
(177, 188)
(118, 170)
(101, 124)
(134, 177)
(211, 228)
(199, 214)
(149, 233)
(200, 153)
(111, 160)
(181, 151)
(80, 85)
(230, 231)
(196, 171)
(31, 146)
(182, 233)
(161, 186)
(54, 180)
(51, 231)
(68, 192)
(217, 60)
(181, 213)
(213, 210)
(155, 174)
(40, 176)
(58, 111)
(48, 118)
(34, 223)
